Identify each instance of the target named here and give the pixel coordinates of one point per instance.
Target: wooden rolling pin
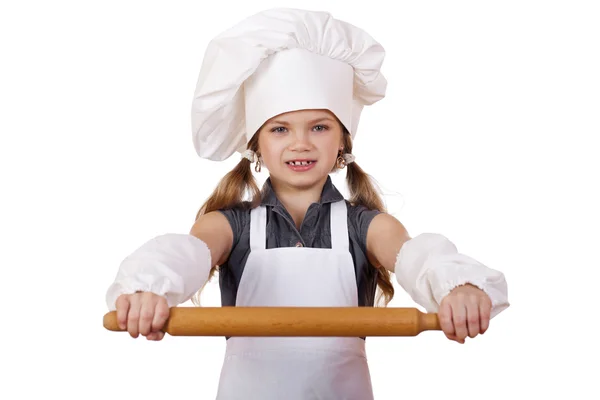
(293, 321)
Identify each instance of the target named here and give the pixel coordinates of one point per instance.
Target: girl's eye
(282, 129)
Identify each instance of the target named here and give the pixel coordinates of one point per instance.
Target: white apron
(297, 368)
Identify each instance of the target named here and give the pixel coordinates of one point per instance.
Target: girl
(286, 89)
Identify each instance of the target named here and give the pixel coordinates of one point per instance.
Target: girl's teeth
(299, 163)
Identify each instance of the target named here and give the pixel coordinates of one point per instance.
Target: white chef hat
(277, 61)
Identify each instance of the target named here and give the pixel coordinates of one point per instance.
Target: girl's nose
(300, 141)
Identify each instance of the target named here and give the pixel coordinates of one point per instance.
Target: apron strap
(339, 226)
(338, 223)
(258, 228)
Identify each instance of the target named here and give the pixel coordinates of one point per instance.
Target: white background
(488, 135)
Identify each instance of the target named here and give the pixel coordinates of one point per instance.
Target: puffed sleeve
(238, 218)
(429, 266)
(172, 265)
(360, 217)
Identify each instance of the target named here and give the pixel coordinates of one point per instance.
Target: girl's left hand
(465, 311)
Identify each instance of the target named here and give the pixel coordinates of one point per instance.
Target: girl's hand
(465, 311)
(142, 313)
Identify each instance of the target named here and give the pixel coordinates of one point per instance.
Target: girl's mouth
(300, 166)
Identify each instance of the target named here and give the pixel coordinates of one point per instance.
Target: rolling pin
(292, 321)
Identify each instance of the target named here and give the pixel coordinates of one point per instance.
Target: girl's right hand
(142, 313)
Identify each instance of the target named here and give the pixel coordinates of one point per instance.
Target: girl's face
(300, 148)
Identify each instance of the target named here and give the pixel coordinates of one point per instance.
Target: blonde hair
(239, 182)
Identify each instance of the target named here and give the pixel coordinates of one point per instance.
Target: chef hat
(277, 61)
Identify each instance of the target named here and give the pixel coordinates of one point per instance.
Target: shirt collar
(329, 194)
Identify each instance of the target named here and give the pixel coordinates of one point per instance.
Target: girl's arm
(428, 267)
(385, 238)
(214, 230)
(174, 265)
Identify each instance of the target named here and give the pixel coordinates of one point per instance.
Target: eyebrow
(310, 122)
